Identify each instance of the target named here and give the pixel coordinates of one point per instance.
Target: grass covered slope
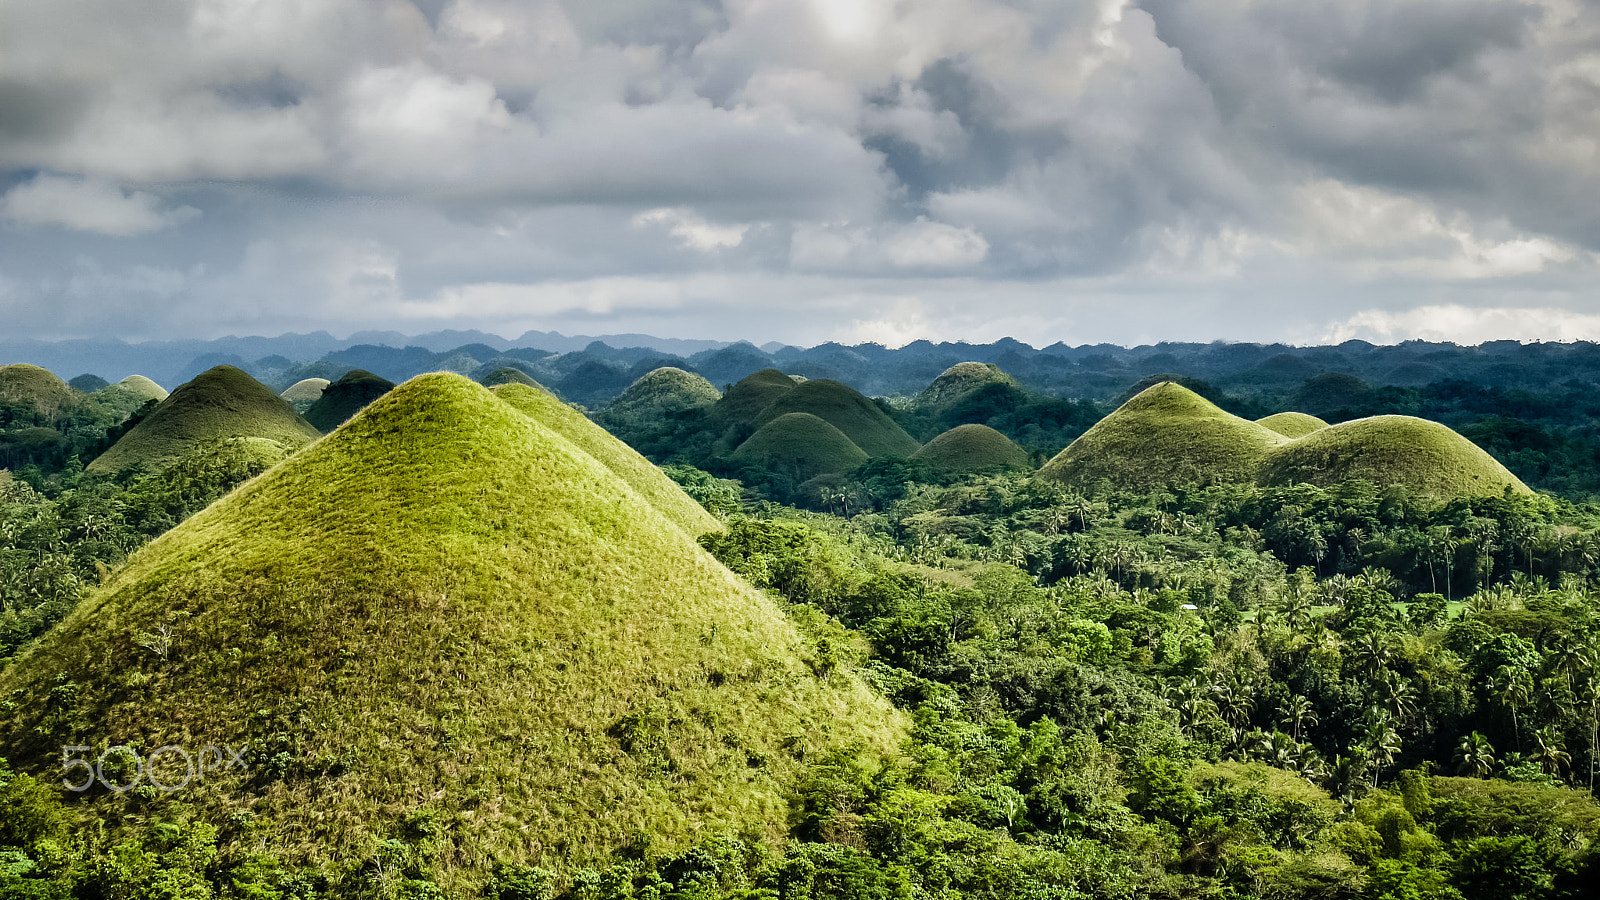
(972, 448)
(745, 399)
(662, 392)
(442, 610)
(306, 390)
(846, 409)
(639, 473)
(219, 403)
(1166, 435)
(960, 380)
(346, 397)
(49, 396)
(510, 375)
(1429, 458)
(1292, 424)
(802, 446)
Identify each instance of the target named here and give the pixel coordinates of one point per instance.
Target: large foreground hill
(443, 610)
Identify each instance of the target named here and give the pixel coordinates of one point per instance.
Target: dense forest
(1206, 688)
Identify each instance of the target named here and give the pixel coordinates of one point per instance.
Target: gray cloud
(800, 169)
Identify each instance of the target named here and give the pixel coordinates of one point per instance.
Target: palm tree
(1550, 751)
(1512, 688)
(1297, 713)
(1399, 697)
(1383, 742)
(1475, 755)
(1371, 654)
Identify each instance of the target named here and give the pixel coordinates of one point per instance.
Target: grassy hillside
(960, 380)
(843, 407)
(1292, 424)
(972, 448)
(444, 619)
(220, 403)
(640, 474)
(801, 446)
(308, 390)
(1166, 435)
(126, 396)
(1429, 458)
(745, 400)
(346, 397)
(49, 396)
(510, 375)
(662, 392)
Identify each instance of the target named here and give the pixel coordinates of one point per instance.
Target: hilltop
(662, 392)
(959, 381)
(49, 396)
(801, 446)
(639, 473)
(443, 613)
(1166, 435)
(745, 399)
(1428, 458)
(510, 375)
(303, 394)
(846, 409)
(346, 397)
(972, 448)
(218, 404)
(1292, 424)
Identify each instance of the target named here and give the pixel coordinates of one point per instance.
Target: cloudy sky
(803, 170)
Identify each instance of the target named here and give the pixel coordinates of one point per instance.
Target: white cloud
(1466, 325)
(691, 230)
(935, 245)
(89, 204)
(919, 245)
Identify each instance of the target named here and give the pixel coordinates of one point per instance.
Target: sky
(1124, 171)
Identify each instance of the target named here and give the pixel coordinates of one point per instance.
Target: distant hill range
(593, 371)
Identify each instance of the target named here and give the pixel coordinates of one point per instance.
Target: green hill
(127, 396)
(511, 375)
(972, 448)
(1166, 435)
(640, 474)
(1429, 458)
(48, 395)
(306, 390)
(843, 407)
(960, 380)
(745, 400)
(346, 397)
(446, 617)
(1292, 424)
(219, 403)
(660, 393)
(801, 446)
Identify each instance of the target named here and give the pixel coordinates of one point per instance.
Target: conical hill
(640, 474)
(443, 609)
(1428, 458)
(960, 380)
(128, 395)
(346, 397)
(846, 409)
(218, 404)
(746, 398)
(1292, 424)
(306, 390)
(49, 396)
(510, 375)
(660, 393)
(1166, 435)
(801, 446)
(972, 448)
